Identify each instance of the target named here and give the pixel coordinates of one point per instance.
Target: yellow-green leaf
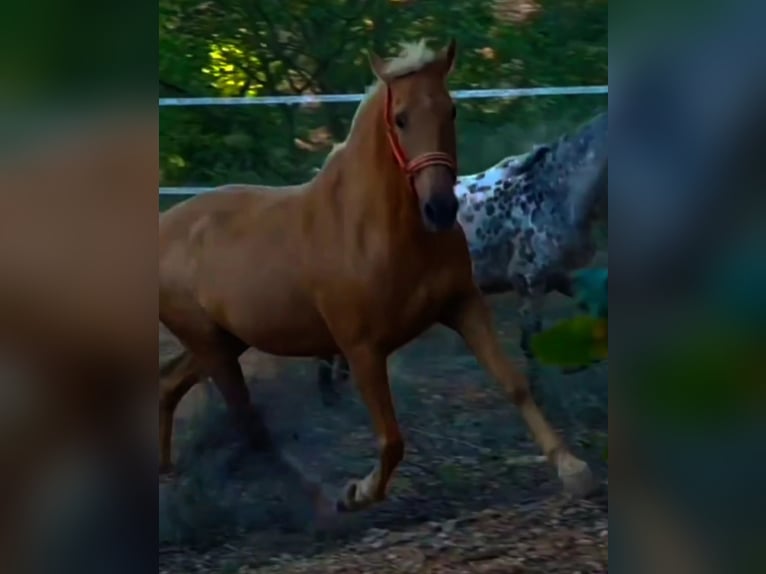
(575, 342)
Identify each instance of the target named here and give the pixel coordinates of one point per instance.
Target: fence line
(341, 98)
(338, 98)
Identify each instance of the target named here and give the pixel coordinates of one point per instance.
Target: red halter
(413, 166)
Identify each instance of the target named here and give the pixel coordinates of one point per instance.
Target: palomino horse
(360, 260)
(529, 223)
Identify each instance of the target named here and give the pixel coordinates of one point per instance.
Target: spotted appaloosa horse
(528, 221)
(358, 261)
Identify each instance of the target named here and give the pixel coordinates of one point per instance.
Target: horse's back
(218, 203)
(231, 259)
(230, 212)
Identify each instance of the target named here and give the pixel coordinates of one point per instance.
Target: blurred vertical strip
(687, 178)
(78, 178)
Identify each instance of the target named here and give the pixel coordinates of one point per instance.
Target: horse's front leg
(368, 367)
(471, 318)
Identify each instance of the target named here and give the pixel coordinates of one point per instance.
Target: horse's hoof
(347, 502)
(355, 496)
(576, 476)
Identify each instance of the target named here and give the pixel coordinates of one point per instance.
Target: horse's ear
(377, 65)
(447, 56)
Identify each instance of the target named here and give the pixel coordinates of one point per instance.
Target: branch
(271, 30)
(174, 88)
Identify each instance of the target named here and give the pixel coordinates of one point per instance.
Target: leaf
(575, 342)
(317, 47)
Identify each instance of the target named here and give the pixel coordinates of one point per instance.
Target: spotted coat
(529, 215)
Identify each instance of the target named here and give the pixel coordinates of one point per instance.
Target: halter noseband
(413, 166)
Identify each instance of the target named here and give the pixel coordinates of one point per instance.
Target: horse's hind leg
(532, 294)
(332, 370)
(177, 377)
(228, 378)
(326, 381)
(341, 370)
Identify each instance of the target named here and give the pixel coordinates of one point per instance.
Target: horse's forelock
(413, 57)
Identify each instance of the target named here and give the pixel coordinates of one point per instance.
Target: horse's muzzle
(440, 211)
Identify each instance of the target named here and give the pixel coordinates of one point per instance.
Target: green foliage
(232, 48)
(576, 342)
(698, 379)
(581, 340)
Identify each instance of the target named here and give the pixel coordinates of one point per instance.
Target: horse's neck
(374, 191)
(582, 157)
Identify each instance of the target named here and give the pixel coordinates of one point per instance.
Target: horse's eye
(454, 112)
(401, 120)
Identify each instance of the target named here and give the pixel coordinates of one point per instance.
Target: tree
(233, 47)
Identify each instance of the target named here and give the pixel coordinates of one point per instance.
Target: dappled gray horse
(529, 224)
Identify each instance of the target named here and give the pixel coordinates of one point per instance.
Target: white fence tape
(340, 98)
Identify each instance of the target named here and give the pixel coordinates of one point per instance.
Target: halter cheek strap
(413, 166)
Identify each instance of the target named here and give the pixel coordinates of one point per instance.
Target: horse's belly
(408, 331)
(280, 321)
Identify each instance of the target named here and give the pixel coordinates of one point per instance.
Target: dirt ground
(470, 496)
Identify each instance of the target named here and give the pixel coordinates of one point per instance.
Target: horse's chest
(421, 302)
(408, 307)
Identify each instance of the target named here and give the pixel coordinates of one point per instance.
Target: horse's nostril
(453, 206)
(429, 211)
